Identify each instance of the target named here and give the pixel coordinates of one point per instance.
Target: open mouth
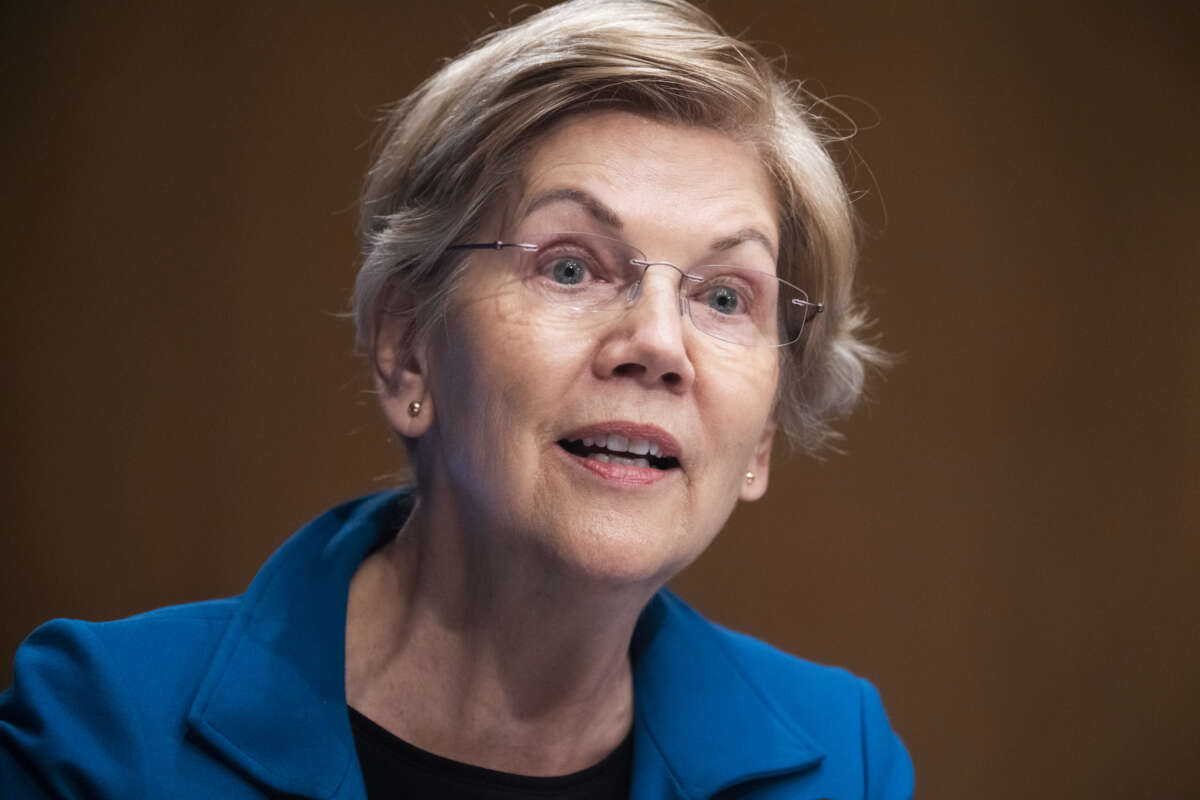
(616, 449)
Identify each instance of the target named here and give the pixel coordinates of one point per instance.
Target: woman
(607, 257)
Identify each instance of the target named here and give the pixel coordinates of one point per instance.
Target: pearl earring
(749, 478)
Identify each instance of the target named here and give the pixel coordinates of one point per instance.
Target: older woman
(607, 258)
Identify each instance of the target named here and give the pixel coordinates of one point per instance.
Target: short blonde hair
(449, 149)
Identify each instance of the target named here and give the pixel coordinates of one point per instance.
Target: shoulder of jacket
(150, 655)
(160, 625)
(765, 661)
(818, 695)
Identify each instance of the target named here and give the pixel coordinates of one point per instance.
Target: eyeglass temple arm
(491, 246)
(817, 308)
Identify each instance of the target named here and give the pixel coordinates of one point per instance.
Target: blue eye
(724, 300)
(569, 271)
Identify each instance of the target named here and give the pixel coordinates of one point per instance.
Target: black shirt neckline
(392, 767)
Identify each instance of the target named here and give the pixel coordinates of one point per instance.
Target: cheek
(738, 399)
(740, 393)
(504, 373)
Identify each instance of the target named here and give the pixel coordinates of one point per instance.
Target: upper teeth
(623, 444)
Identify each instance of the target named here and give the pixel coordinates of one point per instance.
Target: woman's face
(519, 402)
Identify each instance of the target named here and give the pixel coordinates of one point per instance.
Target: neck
(489, 653)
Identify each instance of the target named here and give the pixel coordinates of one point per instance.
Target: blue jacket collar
(711, 724)
(273, 699)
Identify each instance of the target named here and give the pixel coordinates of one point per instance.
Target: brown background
(1009, 550)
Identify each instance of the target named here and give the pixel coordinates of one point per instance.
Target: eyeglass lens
(590, 273)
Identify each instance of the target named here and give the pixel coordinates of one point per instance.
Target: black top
(393, 768)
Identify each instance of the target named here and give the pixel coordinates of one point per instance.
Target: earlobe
(401, 381)
(755, 484)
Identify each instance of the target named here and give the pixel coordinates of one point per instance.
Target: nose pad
(635, 289)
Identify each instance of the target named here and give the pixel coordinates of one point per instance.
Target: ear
(402, 378)
(760, 465)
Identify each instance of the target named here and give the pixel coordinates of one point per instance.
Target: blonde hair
(449, 149)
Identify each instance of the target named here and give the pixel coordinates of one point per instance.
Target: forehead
(660, 179)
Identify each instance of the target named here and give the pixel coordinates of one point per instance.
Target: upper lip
(666, 444)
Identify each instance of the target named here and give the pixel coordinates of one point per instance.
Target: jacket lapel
(272, 703)
(702, 724)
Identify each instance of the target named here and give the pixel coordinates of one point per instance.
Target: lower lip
(620, 474)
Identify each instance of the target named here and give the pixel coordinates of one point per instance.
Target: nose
(646, 342)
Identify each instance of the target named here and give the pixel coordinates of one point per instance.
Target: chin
(616, 550)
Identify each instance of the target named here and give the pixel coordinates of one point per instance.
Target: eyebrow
(601, 212)
(608, 217)
(745, 235)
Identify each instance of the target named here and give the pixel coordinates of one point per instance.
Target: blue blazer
(244, 697)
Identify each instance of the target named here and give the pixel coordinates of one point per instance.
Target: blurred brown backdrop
(1009, 549)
